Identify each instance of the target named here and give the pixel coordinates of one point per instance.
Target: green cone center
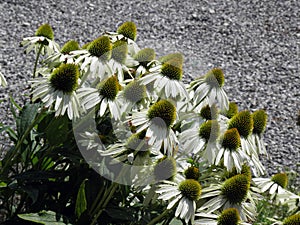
(190, 188)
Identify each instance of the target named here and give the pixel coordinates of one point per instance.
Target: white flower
(210, 87)
(2, 80)
(58, 91)
(183, 194)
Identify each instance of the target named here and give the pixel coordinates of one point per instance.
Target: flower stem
(158, 218)
(37, 59)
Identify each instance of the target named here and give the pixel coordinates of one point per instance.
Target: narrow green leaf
(81, 204)
(44, 217)
(57, 130)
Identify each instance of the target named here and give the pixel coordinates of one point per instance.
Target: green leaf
(57, 130)
(3, 184)
(81, 204)
(44, 217)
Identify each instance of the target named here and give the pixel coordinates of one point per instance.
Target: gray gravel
(257, 43)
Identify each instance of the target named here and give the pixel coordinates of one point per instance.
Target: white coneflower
(210, 86)
(158, 120)
(144, 58)
(183, 194)
(42, 42)
(59, 90)
(94, 60)
(166, 80)
(202, 140)
(105, 95)
(291, 220)
(233, 193)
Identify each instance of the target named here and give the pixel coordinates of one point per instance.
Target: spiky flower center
(172, 69)
(134, 91)
(209, 130)
(165, 168)
(65, 78)
(245, 171)
(235, 189)
(215, 77)
(292, 220)
(259, 121)
(209, 113)
(232, 110)
(128, 29)
(229, 216)
(45, 30)
(120, 51)
(192, 173)
(231, 139)
(191, 189)
(71, 45)
(243, 122)
(173, 56)
(280, 179)
(100, 47)
(162, 110)
(109, 88)
(144, 56)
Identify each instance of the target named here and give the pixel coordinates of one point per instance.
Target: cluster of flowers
(204, 151)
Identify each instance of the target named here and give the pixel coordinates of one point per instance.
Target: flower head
(172, 69)
(243, 122)
(134, 91)
(192, 173)
(215, 77)
(232, 110)
(45, 30)
(292, 220)
(209, 130)
(109, 88)
(190, 189)
(145, 56)
(280, 179)
(120, 51)
(209, 112)
(128, 29)
(100, 47)
(231, 139)
(173, 56)
(229, 216)
(259, 121)
(71, 45)
(235, 189)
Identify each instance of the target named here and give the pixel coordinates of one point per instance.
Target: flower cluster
(200, 153)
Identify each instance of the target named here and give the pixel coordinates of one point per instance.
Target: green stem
(159, 217)
(37, 59)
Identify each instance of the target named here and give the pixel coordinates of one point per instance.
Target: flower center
(190, 188)
(65, 78)
(163, 110)
(109, 88)
(192, 173)
(100, 47)
(134, 92)
(173, 56)
(245, 171)
(128, 29)
(243, 122)
(172, 69)
(209, 130)
(120, 51)
(215, 78)
(144, 56)
(231, 139)
(45, 30)
(232, 110)
(165, 168)
(229, 216)
(292, 220)
(280, 179)
(71, 45)
(235, 189)
(209, 113)
(259, 121)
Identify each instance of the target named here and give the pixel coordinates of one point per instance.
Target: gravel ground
(256, 43)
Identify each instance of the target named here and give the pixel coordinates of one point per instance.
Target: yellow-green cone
(246, 170)
(215, 77)
(144, 56)
(134, 91)
(109, 88)
(259, 121)
(45, 30)
(163, 109)
(65, 78)
(209, 130)
(280, 179)
(172, 69)
(128, 29)
(243, 122)
(71, 45)
(120, 51)
(165, 168)
(229, 216)
(209, 113)
(235, 189)
(232, 110)
(100, 47)
(231, 139)
(192, 173)
(292, 220)
(173, 56)
(190, 189)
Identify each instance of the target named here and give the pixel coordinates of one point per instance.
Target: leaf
(81, 204)
(57, 130)
(44, 217)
